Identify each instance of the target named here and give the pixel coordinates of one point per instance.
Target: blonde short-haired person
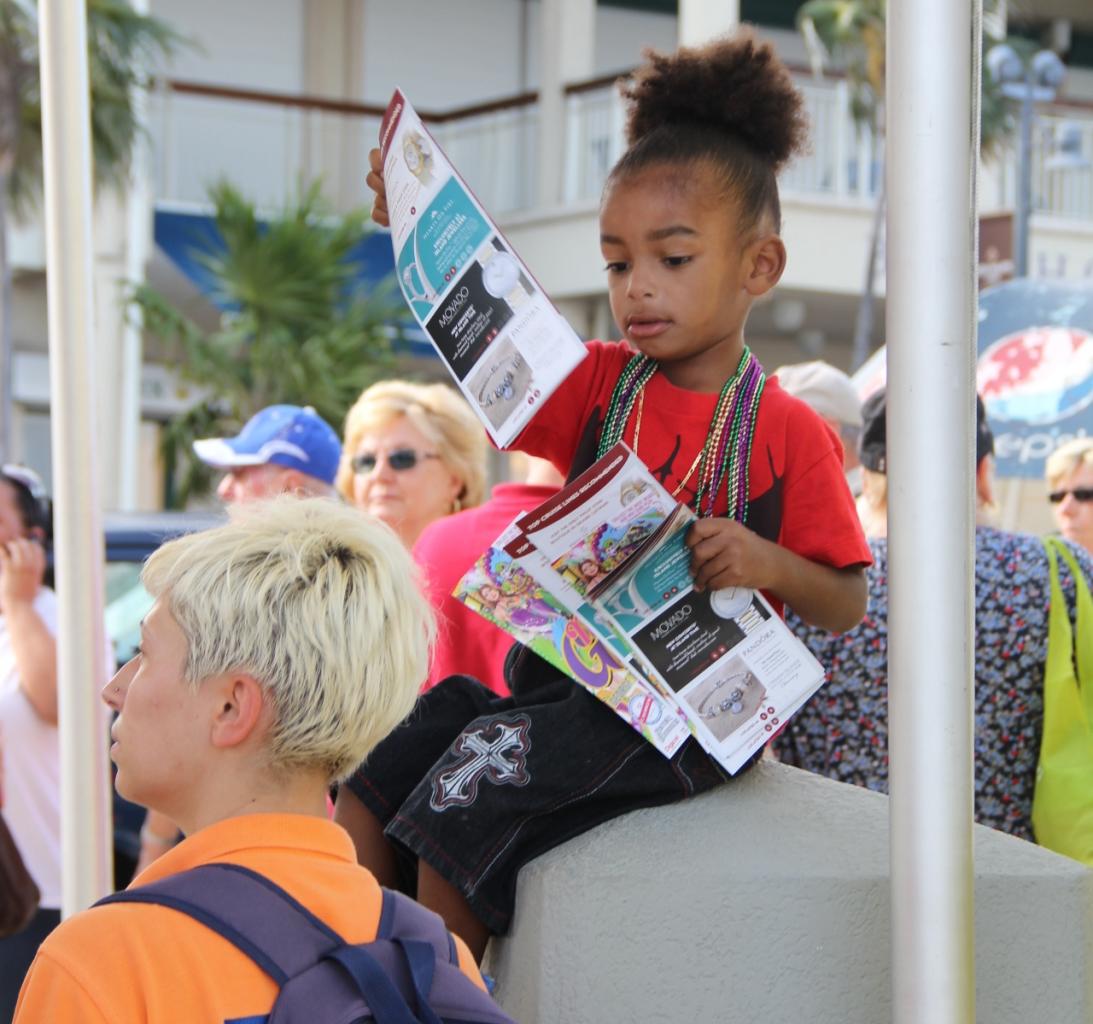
(412, 453)
(280, 650)
(1069, 473)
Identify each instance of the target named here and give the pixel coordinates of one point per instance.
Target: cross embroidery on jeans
(498, 751)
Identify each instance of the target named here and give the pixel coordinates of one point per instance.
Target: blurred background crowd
(251, 341)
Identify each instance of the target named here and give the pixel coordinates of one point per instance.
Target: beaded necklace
(726, 454)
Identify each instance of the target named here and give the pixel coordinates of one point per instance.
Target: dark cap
(873, 444)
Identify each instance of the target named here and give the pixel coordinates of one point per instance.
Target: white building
(521, 96)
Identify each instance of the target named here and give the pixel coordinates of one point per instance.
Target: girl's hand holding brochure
(724, 553)
(375, 182)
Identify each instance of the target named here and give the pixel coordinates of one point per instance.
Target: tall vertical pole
(66, 144)
(933, 118)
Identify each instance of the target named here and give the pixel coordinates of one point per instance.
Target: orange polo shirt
(134, 962)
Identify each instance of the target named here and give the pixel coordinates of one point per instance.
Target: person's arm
(726, 554)
(22, 569)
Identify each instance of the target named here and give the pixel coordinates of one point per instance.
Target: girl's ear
(767, 264)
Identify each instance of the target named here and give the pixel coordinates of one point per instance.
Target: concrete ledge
(768, 900)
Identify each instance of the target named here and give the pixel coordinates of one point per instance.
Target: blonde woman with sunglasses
(412, 454)
(1069, 472)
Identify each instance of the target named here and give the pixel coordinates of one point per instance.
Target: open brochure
(608, 552)
(501, 338)
(500, 590)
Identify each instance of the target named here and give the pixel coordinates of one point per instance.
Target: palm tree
(122, 47)
(297, 324)
(852, 33)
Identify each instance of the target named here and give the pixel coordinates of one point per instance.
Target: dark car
(130, 539)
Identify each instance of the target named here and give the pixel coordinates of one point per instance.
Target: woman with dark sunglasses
(28, 713)
(1069, 472)
(412, 454)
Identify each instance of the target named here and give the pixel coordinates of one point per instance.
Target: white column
(701, 20)
(334, 69)
(567, 33)
(66, 145)
(933, 122)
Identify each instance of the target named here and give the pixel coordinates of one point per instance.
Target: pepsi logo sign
(1038, 375)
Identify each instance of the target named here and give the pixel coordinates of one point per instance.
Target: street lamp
(1036, 81)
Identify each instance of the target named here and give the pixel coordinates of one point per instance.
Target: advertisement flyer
(497, 588)
(609, 553)
(502, 340)
(736, 670)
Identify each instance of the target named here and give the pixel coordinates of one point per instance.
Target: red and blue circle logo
(1038, 375)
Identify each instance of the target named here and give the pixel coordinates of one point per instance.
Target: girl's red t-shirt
(797, 490)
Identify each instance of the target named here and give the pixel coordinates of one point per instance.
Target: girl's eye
(677, 261)
(617, 267)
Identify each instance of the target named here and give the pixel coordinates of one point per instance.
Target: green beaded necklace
(726, 455)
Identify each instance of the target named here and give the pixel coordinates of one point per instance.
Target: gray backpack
(408, 975)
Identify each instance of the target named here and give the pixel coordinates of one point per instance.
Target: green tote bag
(1062, 805)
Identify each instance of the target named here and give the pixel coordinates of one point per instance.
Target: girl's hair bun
(736, 85)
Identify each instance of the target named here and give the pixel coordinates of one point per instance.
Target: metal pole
(1024, 180)
(66, 143)
(933, 118)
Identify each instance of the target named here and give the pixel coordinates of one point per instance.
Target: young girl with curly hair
(472, 787)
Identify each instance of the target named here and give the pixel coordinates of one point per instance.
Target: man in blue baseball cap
(283, 449)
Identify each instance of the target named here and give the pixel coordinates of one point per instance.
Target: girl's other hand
(22, 570)
(375, 182)
(726, 554)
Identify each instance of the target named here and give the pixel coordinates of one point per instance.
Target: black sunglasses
(400, 460)
(1082, 494)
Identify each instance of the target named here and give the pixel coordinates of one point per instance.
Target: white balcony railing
(266, 144)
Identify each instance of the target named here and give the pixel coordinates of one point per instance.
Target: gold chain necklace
(637, 435)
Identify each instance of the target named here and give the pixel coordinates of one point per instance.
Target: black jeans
(477, 785)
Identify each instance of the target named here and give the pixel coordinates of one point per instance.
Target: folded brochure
(498, 588)
(607, 555)
(502, 340)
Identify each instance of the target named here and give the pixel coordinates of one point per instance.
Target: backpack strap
(406, 918)
(254, 914)
(425, 942)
